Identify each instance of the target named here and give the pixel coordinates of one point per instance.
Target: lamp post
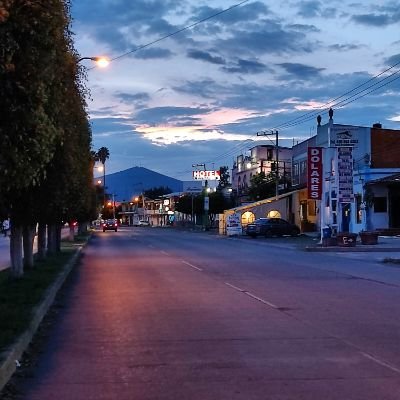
(102, 62)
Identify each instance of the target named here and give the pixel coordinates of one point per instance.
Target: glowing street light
(102, 62)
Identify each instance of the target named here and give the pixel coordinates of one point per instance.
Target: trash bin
(346, 239)
(326, 232)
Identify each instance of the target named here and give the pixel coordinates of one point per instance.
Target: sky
(200, 96)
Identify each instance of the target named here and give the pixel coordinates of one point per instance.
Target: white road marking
(234, 287)
(380, 362)
(253, 296)
(191, 265)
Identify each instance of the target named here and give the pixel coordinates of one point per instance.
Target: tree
(262, 186)
(103, 154)
(42, 103)
(224, 174)
(157, 192)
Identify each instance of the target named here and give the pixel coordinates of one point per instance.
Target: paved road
(161, 314)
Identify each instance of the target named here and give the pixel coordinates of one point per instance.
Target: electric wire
(346, 101)
(198, 22)
(330, 103)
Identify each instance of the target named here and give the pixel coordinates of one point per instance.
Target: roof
(394, 178)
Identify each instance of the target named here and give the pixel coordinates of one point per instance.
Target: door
(346, 214)
(394, 208)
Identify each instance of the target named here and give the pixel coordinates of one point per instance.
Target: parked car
(271, 227)
(144, 223)
(110, 225)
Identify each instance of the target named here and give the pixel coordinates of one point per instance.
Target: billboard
(193, 187)
(207, 175)
(314, 173)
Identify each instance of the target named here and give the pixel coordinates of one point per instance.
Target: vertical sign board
(314, 173)
(345, 173)
(206, 203)
(233, 225)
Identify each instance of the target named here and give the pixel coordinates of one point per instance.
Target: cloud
(153, 53)
(245, 13)
(345, 47)
(301, 71)
(205, 56)
(309, 9)
(374, 20)
(304, 28)
(246, 67)
(164, 115)
(392, 60)
(136, 99)
(270, 37)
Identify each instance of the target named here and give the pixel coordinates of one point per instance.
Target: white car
(144, 223)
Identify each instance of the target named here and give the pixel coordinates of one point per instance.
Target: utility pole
(265, 133)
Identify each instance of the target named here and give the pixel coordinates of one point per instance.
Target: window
(247, 218)
(380, 204)
(274, 214)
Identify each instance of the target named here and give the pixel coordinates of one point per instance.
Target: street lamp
(102, 62)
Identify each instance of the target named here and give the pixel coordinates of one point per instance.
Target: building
(262, 158)
(360, 183)
(357, 188)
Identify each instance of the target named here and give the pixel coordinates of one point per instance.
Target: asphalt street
(164, 314)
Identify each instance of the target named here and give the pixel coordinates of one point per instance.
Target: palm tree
(103, 154)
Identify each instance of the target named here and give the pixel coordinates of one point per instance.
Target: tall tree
(224, 174)
(37, 71)
(103, 154)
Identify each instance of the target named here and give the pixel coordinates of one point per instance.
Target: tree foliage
(262, 186)
(46, 138)
(157, 192)
(225, 177)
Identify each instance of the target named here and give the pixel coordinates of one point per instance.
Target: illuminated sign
(314, 173)
(207, 175)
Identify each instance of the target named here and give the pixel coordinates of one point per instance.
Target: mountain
(131, 182)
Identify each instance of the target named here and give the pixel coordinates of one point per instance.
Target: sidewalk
(385, 244)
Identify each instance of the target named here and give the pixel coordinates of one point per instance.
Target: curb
(354, 249)
(10, 356)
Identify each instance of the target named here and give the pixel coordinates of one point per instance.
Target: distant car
(269, 227)
(144, 223)
(110, 225)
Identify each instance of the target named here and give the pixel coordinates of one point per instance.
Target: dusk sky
(200, 96)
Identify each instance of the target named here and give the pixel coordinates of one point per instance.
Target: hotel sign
(314, 173)
(207, 175)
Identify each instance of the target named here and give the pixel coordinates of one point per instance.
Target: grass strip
(19, 297)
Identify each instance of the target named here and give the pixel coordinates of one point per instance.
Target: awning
(394, 178)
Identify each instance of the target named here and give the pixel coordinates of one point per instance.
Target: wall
(385, 148)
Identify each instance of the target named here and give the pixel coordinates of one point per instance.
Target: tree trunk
(58, 237)
(41, 241)
(17, 267)
(51, 239)
(83, 227)
(71, 234)
(28, 233)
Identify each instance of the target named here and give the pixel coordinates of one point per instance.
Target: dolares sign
(207, 175)
(314, 173)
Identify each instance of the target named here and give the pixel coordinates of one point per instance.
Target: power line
(330, 103)
(179, 30)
